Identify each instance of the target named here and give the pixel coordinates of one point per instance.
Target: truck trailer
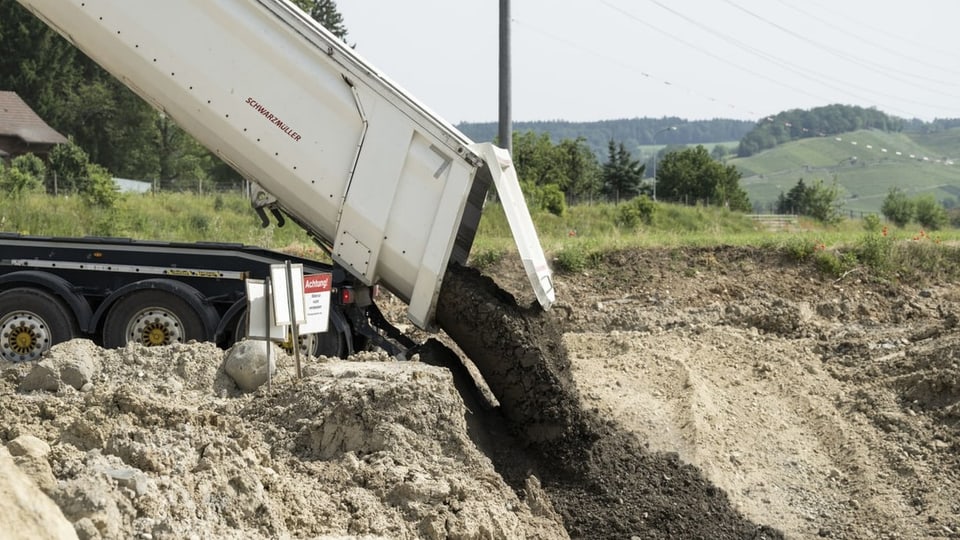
(391, 191)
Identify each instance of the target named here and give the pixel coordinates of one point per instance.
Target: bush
(930, 213)
(68, 163)
(636, 210)
(98, 188)
(801, 249)
(834, 264)
(576, 258)
(897, 207)
(486, 258)
(200, 223)
(871, 223)
(23, 176)
(875, 251)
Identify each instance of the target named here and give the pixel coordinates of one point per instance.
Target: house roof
(18, 119)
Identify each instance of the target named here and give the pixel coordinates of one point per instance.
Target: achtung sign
(316, 295)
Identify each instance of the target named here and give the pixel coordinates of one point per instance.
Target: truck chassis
(115, 290)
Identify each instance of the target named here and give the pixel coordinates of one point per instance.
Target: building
(22, 131)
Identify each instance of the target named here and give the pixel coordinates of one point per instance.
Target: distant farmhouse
(22, 131)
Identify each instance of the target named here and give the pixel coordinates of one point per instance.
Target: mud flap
(505, 179)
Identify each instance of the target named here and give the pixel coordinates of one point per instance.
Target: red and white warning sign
(316, 293)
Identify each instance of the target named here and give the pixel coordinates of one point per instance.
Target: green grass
(573, 243)
(165, 216)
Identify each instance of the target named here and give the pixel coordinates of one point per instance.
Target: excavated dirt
(672, 393)
(599, 476)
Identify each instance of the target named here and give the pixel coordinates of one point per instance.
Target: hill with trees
(865, 165)
(632, 132)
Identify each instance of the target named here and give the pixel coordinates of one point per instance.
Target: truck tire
(331, 344)
(32, 321)
(151, 317)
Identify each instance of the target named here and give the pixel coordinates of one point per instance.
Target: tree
(569, 167)
(37, 64)
(325, 12)
(692, 176)
(621, 175)
(538, 161)
(582, 169)
(897, 207)
(795, 201)
(719, 152)
(823, 202)
(818, 201)
(98, 188)
(68, 163)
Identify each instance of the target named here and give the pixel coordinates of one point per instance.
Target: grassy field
(572, 242)
(866, 164)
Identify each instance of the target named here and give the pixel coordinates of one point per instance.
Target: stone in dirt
(247, 363)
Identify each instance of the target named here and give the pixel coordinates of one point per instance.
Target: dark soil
(601, 479)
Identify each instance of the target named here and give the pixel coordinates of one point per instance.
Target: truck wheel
(151, 317)
(331, 344)
(32, 321)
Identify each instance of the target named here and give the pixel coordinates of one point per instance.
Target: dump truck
(391, 191)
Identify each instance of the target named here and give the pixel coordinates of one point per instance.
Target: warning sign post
(316, 293)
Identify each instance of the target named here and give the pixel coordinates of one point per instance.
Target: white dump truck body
(392, 190)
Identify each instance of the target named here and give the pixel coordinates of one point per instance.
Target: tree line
(818, 122)
(568, 172)
(632, 132)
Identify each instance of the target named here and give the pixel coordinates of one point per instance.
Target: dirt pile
(599, 476)
(824, 407)
(160, 444)
(712, 393)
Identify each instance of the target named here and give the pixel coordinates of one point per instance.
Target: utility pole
(505, 131)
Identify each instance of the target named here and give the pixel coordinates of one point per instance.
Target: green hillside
(866, 164)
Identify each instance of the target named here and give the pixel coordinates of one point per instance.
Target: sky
(694, 59)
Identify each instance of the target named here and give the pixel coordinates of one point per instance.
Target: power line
(885, 70)
(858, 92)
(889, 50)
(787, 65)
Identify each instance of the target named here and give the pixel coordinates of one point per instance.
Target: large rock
(246, 362)
(44, 376)
(30, 454)
(26, 511)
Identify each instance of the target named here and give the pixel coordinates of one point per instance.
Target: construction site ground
(720, 393)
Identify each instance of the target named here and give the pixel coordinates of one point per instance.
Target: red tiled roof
(18, 119)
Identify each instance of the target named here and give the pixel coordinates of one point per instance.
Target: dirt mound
(159, 445)
(600, 478)
(672, 393)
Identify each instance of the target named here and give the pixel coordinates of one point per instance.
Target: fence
(775, 222)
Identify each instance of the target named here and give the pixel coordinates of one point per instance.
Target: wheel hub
(23, 337)
(307, 343)
(154, 327)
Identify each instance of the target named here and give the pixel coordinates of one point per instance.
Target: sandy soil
(747, 396)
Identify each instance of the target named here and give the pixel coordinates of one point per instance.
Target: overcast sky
(696, 59)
